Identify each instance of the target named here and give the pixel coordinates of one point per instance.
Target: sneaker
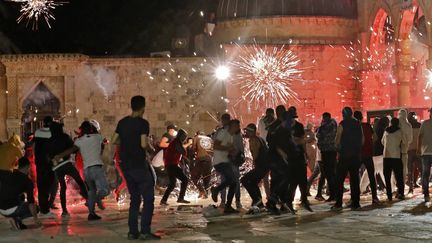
(101, 205)
(306, 206)
(330, 199)
(93, 216)
(65, 214)
(288, 207)
(336, 208)
(273, 210)
(375, 201)
(400, 197)
(214, 194)
(149, 236)
(183, 201)
(163, 203)
(230, 210)
(319, 198)
(133, 236)
(355, 207)
(239, 205)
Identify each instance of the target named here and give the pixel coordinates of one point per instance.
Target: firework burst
(34, 10)
(266, 74)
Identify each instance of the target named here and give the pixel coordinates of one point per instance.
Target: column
(404, 72)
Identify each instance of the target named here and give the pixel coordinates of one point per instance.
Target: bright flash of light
(222, 72)
(34, 10)
(266, 75)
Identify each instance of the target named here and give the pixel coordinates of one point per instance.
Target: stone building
(368, 54)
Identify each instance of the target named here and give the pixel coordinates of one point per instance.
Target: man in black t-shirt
(132, 136)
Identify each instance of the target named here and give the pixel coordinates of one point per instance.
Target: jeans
(140, 183)
(251, 182)
(426, 167)
(369, 164)
(329, 169)
(97, 183)
(396, 166)
(45, 182)
(174, 173)
(228, 179)
(351, 166)
(317, 171)
(201, 170)
(298, 175)
(70, 170)
(414, 168)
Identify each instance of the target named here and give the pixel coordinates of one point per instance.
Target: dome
(232, 9)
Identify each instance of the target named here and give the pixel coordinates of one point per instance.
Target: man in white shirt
(425, 149)
(90, 147)
(223, 146)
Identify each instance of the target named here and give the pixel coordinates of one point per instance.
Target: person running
(201, 169)
(173, 155)
(47, 184)
(367, 154)
(349, 140)
(392, 141)
(223, 147)
(259, 151)
(132, 135)
(90, 146)
(59, 145)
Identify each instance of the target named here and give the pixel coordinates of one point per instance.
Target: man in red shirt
(367, 153)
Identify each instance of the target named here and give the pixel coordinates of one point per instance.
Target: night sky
(108, 27)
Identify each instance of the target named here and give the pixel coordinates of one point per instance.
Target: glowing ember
(34, 10)
(265, 75)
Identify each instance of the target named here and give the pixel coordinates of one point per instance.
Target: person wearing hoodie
(393, 143)
(172, 156)
(407, 138)
(349, 141)
(414, 162)
(326, 135)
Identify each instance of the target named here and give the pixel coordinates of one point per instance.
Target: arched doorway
(41, 102)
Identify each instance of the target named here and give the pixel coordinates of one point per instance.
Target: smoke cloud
(104, 79)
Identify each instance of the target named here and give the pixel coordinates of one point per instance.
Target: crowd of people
(391, 153)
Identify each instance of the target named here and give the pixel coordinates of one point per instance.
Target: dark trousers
(174, 173)
(396, 166)
(317, 171)
(279, 182)
(251, 183)
(201, 170)
(426, 170)
(70, 170)
(329, 168)
(228, 179)
(45, 182)
(298, 177)
(414, 168)
(345, 166)
(140, 183)
(53, 191)
(369, 164)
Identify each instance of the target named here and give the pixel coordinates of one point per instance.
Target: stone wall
(180, 91)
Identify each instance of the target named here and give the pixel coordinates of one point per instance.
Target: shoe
(273, 210)
(53, 207)
(239, 205)
(183, 201)
(133, 236)
(101, 205)
(163, 203)
(230, 210)
(65, 214)
(288, 207)
(355, 207)
(336, 208)
(306, 206)
(400, 197)
(214, 194)
(319, 198)
(149, 236)
(375, 201)
(93, 216)
(330, 199)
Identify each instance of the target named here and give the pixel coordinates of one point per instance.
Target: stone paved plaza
(404, 221)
